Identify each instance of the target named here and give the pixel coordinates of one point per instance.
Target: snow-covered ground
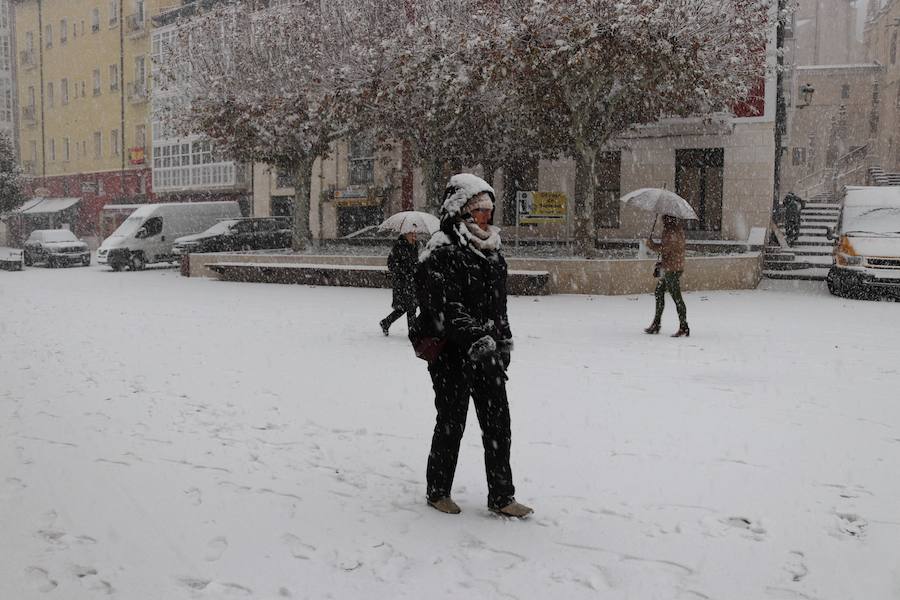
(169, 438)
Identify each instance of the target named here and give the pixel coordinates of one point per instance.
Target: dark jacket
(462, 297)
(402, 264)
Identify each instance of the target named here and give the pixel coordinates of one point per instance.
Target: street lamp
(806, 92)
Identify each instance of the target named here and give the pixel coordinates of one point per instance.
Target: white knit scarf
(481, 239)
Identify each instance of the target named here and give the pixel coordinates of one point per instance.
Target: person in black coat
(402, 264)
(461, 289)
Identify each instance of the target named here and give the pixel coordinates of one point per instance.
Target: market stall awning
(46, 205)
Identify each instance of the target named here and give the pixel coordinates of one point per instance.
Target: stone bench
(526, 283)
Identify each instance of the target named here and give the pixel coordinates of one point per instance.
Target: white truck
(148, 235)
(866, 258)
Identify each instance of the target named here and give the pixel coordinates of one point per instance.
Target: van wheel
(28, 260)
(116, 266)
(137, 262)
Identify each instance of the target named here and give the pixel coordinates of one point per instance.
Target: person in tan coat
(671, 248)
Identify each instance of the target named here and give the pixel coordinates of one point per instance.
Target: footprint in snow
(851, 525)
(215, 548)
(795, 566)
(40, 580)
(297, 547)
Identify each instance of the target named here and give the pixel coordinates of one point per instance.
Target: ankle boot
(654, 328)
(683, 331)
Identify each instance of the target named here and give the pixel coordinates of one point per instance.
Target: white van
(148, 234)
(867, 253)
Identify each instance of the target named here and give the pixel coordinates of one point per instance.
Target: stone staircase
(810, 257)
(877, 176)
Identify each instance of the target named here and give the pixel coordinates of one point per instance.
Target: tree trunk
(302, 188)
(434, 184)
(585, 229)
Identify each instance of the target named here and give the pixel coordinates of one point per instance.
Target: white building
(187, 168)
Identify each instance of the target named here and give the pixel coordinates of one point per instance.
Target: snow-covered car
(230, 235)
(866, 257)
(56, 248)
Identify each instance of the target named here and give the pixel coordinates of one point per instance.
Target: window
(96, 77)
(31, 98)
(284, 179)
(53, 149)
(98, 144)
(362, 161)
(113, 13)
(798, 157)
(845, 90)
(114, 142)
(699, 176)
(113, 78)
(63, 31)
(48, 36)
(33, 148)
(152, 226)
(139, 10)
(608, 173)
(82, 90)
(140, 70)
(50, 94)
(95, 20)
(64, 91)
(29, 41)
(140, 136)
(66, 149)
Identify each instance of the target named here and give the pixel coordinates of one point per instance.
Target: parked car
(148, 235)
(866, 257)
(56, 248)
(231, 235)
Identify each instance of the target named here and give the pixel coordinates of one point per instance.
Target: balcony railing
(137, 91)
(28, 114)
(26, 57)
(135, 25)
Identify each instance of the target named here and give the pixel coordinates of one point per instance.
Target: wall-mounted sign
(540, 207)
(88, 187)
(136, 155)
(41, 192)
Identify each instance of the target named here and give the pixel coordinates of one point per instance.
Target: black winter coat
(462, 297)
(402, 264)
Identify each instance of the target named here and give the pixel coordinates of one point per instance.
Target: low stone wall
(567, 275)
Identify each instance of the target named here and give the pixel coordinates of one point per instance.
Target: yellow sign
(540, 207)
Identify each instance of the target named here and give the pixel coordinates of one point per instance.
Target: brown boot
(445, 505)
(654, 328)
(513, 509)
(683, 331)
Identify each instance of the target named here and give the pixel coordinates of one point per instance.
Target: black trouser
(671, 282)
(396, 314)
(455, 378)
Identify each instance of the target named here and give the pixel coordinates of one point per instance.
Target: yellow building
(83, 88)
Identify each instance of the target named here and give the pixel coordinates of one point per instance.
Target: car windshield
(54, 235)
(128, 227)
(881, 221)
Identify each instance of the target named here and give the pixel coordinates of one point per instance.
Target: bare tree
(272, 84)
(594, 68)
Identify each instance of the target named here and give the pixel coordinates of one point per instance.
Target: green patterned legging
(671, 281)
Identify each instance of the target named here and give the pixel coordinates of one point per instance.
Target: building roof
(46, 205)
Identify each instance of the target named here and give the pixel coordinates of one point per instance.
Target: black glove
(504, 349)
(482, 348)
